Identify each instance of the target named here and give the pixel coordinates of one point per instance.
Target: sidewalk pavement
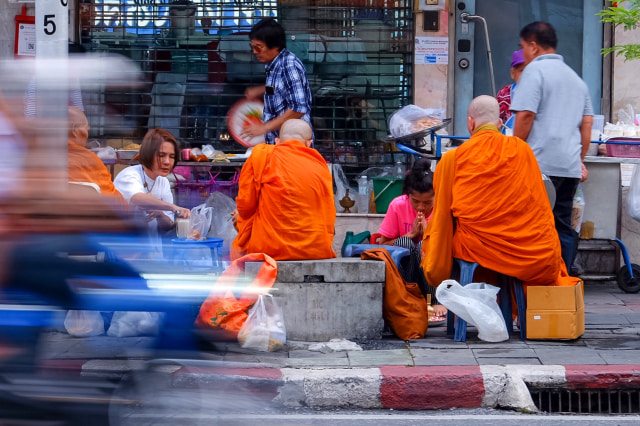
(430, 373)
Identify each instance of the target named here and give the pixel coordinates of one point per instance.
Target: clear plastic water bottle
(400, 170)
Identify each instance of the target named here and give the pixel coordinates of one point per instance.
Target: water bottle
(400, 170)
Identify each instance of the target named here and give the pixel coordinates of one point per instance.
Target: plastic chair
(467, 269)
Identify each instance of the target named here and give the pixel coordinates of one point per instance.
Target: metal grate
(587, 400)
(358, 55)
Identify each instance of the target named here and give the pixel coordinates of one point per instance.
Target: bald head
(483, 110)
(295, 129)
(78, 126)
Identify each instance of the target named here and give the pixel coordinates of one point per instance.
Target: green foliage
(626, 14)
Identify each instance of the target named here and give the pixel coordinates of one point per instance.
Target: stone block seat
(329, 298)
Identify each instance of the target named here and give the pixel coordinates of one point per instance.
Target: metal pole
(466, 17)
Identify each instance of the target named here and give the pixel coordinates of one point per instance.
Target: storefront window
(197, 62)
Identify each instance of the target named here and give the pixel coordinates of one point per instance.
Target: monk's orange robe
(285, 204)
(85, 166)
(491, 207)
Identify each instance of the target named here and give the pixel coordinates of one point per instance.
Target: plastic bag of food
(196, 154)
(84, 323)
(264, 328)
(106, 153)
(626, 115)
(200, 222)
(129, 324)
(477, 304)
(633, 197)
(577, 211)
(221, 224)
(411, 119)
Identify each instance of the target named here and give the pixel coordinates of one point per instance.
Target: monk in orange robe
(84, 165)
(285, 204)
(491, 207)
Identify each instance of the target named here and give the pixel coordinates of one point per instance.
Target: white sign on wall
(52, 28)
(432, 50)
(26, 40)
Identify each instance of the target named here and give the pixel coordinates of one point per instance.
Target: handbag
(225, 309)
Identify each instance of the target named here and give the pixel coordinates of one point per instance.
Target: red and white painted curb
(403, 387)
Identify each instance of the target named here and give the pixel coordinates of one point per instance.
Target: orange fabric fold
(491, 207)
(403, 306)
(285, 204)
(85, 166)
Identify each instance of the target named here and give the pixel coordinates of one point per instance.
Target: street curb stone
(404, 387)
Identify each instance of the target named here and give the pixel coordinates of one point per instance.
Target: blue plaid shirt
(288, 77)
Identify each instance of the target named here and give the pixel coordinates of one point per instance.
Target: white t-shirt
(131, 180)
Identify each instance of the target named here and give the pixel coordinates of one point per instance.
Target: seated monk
(84, 165)
(285, 204)
(491, 207)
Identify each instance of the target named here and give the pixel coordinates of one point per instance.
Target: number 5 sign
(52, 28)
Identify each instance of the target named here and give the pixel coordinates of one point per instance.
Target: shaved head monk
(491, 207)
(285, 204)
(84, 165)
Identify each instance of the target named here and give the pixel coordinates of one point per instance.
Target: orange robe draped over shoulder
(285, 204)
(85, 166)
(491, 207)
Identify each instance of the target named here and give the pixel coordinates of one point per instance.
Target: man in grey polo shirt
(554, 115)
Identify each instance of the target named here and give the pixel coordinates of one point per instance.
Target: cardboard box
(555, 312)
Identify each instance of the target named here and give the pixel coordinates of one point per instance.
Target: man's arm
(523, 124)
(585, 134)
(260, 129)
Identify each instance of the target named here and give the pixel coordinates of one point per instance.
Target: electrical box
(431, 4)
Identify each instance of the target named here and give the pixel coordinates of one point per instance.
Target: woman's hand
(419, 226)
(182, 213)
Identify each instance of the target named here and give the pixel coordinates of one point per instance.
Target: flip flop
(435, 320)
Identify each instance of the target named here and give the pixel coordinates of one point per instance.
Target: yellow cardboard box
(555, 312)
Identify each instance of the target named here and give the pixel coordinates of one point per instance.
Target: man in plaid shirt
(286, 93)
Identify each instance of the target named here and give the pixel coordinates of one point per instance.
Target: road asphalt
(430, 373)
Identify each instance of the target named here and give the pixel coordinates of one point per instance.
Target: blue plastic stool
(214, 244)
(467, 269)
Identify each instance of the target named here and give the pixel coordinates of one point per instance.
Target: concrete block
(338, 270)
(319, 312)
(328, 299)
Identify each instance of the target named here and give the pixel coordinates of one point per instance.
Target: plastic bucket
(385, 190)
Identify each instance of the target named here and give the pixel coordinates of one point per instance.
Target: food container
(623, 147)
(126, 154)
(185, 154)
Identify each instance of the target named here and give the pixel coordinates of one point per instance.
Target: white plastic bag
(128, 324)
(411, 119)
(633, 197)
(221, 223)
(200, 222)
(84, 323)
(477, 304)
(264, 328)
(577, 210)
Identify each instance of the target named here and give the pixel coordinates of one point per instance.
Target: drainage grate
(587, 400)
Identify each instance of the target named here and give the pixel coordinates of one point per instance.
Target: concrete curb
(398, 387)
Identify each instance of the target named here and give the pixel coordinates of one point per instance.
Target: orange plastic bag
(403, 306)
(225, 309)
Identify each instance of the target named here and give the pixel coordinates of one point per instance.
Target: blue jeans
(565, 191)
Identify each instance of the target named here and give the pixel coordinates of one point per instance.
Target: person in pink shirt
(406, 221)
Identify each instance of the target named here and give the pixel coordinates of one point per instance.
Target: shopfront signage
(153, 14)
